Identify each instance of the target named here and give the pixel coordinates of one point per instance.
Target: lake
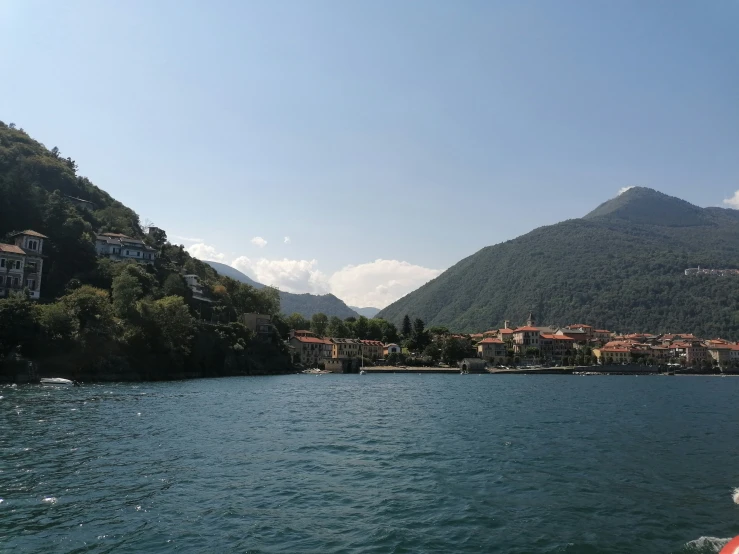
(372, 464)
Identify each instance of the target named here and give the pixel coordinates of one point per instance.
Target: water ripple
(380, 463)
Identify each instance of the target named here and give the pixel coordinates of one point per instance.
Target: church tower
(530, 322)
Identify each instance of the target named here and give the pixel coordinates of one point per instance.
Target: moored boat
(56, 381)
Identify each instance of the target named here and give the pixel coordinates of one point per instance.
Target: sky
(362, 147)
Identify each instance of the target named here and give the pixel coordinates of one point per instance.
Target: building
(391, 348)
(555, 347)
(719, 352)
(259, 324)
(602, 335)
(613, 352)
(692, 352)
(346, 348)
(473, 365)
(372, 349)
(493, 350)
(118, 247)
(525, 337)
(310, 349)
(21, 264)
(193, 283)
(80, 203)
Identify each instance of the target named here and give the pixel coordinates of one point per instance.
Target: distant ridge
(621, 267)
(366, 312)
(304, 304)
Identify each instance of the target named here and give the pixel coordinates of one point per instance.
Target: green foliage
(609, 270)
(17, 323)
(319, 324)
(455, 349)
(337, 328)
(297, 322)
(405, 328)
(174, 285)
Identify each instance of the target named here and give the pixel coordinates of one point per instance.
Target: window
(2, 262)
(17, 264)
(15, 281)
(128, 252)
(31, 284)
(9, 281)
(138, 254)
(33, 245)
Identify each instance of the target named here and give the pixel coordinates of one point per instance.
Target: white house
(21, 264)
(120, 247)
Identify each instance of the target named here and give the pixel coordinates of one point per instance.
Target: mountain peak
(651, 207)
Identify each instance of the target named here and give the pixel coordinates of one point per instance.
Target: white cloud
(184, 239)
(378, 283)
(287, 240)
(203, 251)
(624, 189)
(259, 241)
(733, 202)
(289, 275)
(375, 284)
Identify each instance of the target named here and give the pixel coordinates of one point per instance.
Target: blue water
(373, 463)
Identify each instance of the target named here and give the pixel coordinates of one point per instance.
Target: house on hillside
(118, 247)
(556, 347)
(259, 324)
(80, 203)
(193, 283)
(21, 264)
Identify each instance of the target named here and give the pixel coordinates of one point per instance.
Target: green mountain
(290, 303)
(620, 267)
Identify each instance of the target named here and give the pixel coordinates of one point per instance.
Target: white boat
(363, 372)
(55, 381)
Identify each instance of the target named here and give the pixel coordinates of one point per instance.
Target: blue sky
(386, 139)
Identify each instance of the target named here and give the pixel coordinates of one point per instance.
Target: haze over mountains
(304, 304)
(619, 267)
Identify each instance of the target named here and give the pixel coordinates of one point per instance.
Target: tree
(337, 328)
(92, 310)
(453, 350)
(174, 285)
(439, 330)
(319, 324)
(532, 352)
(433, 351)
(361, 328)
(57, 324)
(126, 292)
(157, 237)
(420, 336)
(297, 322)
(169, 326)
(17, 323)
(405, 329)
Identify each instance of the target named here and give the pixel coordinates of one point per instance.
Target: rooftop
(11, 249)
(31, 234)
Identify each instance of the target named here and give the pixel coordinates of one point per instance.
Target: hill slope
(304, 304)
(620, 267)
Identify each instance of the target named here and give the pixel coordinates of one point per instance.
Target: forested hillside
(105, 319)
(621, 267)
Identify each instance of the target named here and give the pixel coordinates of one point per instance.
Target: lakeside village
(523, 347)
(505, 349)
